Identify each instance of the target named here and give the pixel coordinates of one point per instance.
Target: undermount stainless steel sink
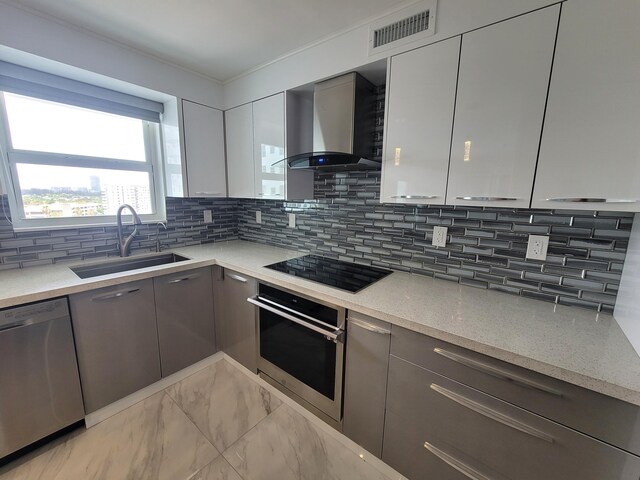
(126, 264)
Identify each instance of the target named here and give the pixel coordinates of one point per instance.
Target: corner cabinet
(255, 135)
(204, 150)
(235, 317)
(589, 156)
(184, 310)
(502, 90)
(365, 381)
(421, 98)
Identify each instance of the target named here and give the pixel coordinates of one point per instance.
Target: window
(68, 163)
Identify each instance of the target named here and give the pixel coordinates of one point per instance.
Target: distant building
(94, 183)
(138, 196)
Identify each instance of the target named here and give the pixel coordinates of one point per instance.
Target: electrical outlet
(537, 247)
(258, 216)
(208, 218)
(292, 220)
(439, 237)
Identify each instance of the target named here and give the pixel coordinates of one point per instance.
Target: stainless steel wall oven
(301, 346)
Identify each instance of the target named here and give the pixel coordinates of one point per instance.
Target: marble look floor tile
(219, 469)
(287, 446)
(223, 403)
(150, 440)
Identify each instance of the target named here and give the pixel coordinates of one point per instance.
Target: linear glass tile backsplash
(486, 246)
(185, 226)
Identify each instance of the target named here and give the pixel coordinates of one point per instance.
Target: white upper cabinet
(590, 155)
(268, 147)
(239, 133)
(421, 96)
(204, 150)
(502, 90)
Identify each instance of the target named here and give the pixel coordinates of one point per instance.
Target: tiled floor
(218, 424)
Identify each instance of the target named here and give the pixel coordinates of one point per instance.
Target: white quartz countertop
(572, 344)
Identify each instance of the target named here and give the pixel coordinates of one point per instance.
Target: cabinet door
(235, 317)
(422, 89)
(502, 90)
(116, 341)
(204, 150)
(365, 385)
(268, 146)
(589, 156)
(184, 307)
(239, 135)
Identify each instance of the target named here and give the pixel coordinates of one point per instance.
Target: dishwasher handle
(27, 322)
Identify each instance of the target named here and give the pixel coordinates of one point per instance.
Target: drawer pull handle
(415, 197)
(369, 326)
(183, 279)
(453, 462)
(591, 200)
(237, 278)
(111, 296)
(491, 413)
(497, 372)
(488, 199)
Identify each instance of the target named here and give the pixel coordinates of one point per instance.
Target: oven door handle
(336, 336)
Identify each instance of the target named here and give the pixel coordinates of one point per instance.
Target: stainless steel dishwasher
(39, 383)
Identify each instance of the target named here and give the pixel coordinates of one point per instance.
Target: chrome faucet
(124, 244)
(158, 244)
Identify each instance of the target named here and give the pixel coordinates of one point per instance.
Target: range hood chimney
(343, 125)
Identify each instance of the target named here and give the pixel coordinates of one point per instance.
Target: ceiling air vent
(404, 26)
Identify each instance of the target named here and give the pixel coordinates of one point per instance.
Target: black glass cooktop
(335, 273)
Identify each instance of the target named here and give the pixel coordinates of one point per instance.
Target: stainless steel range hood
(343, 126)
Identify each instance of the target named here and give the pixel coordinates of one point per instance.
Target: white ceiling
(218, 38)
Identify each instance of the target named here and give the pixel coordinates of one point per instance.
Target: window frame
(10, 157)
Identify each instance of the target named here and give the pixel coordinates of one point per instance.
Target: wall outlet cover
(537, 247)
(439, 237)
(292, 220)
(208, 218)
(258, 216)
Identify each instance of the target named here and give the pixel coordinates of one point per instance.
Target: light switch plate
(208, 218)
(258, 216)
(292, 220)
(537, 247)
(439, 237)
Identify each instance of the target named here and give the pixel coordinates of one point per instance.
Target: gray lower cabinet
(235, 317)
(184, 309)
(365, 385)
(438, 428)
(116, 341)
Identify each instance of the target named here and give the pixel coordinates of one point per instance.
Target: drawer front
(598, 415)
(460, 430)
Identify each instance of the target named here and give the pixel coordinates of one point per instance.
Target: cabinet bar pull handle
(335, 336)
(111, 296)
(208, 193)
(492, 414)
(237, 278)
(453, 462)
(415, 197)
(590, 200)
(183, 279)
(488, 199)
(369, 326)
(22, 323)
(497, 372)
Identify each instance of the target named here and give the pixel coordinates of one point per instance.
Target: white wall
(350, 50)
(46, 38)
(627, 311)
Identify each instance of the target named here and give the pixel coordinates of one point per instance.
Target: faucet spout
(124, 244)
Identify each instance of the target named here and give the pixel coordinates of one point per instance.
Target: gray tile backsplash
(185, 226)
(486, 246)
